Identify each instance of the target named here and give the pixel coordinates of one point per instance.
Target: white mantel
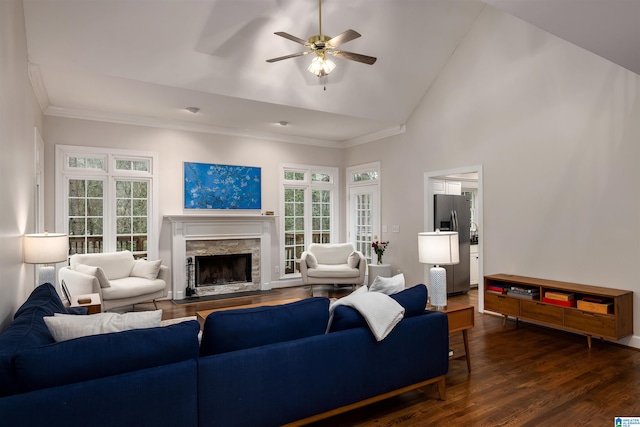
(218, 227)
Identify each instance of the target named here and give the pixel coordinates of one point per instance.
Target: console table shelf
(613, 324)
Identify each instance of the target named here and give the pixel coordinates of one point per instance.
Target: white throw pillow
(388, 285)
(68, 326)
(353, 259)
(312, 261)
(146, 269)
(97, 272)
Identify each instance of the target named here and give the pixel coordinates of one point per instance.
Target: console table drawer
(590, 323)
(536, 310)
(502, 304)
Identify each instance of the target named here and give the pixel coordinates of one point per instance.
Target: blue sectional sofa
(266, 366)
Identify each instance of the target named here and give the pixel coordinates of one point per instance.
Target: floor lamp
(438, 248)
(45, 248)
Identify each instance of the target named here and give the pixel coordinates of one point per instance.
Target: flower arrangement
(378, 248)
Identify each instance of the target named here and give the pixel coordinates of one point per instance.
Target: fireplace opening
(222, 269)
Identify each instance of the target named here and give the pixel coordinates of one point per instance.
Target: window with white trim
(106, 200)
(363, 207)
(309, 207)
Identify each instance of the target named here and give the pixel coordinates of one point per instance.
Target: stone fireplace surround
(200, 234)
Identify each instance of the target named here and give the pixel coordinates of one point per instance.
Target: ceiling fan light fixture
(321, 66)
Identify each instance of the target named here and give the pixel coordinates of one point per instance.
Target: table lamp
(45, 248)
(438, 248)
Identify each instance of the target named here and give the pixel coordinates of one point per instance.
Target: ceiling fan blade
(292, 38)
(347, 36)
(280, 58)
(353, 56)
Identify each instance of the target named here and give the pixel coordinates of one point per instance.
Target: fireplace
(195, 236)
(211, 270)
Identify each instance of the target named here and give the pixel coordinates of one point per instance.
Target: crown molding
(35, 77)
(384, 133)
(131, 119)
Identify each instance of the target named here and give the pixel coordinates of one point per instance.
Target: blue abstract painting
(212, 186)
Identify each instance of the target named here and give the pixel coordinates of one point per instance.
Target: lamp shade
(438, 248)
(45, 248)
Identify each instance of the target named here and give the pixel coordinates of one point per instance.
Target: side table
(382, 270)
(461, 318)
(94, 306)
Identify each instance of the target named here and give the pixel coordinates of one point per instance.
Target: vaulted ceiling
(144, 61)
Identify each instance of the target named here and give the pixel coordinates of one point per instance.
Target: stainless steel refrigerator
(453, 213)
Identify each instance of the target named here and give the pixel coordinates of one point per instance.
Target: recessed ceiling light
(192, 109)
(283, 123)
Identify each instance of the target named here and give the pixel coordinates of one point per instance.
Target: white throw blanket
(380, 311)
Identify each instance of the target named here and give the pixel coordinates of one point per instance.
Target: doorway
(467, 181)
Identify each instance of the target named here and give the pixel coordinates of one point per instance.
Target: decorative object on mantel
(379, 248)
(45, 248)
(438, 248)
(215, 186)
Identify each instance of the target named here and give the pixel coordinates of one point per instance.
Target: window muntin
(111, 209)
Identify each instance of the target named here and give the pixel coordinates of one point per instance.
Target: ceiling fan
(321, 45)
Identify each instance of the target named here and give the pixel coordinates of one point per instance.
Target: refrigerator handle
(454, 214)
(452, 227)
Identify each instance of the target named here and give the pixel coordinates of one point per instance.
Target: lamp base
(438, 280)
(47, 274)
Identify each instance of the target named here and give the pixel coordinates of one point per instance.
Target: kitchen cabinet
(447, 187)
(474, 265)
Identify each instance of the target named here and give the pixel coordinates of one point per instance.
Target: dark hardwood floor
(522, 375)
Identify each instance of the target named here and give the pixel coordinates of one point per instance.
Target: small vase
(379, 259)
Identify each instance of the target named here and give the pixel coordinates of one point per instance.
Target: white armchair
(120, 279)
(336, 263)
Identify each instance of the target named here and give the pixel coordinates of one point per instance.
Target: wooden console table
(614, 323)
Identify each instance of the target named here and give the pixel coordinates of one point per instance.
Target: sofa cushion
(334, 253)
(115, 264)
(232, 330)
(146, 269)
(103, 355)
(65, 327)
(27, 330)
(388, 285)
(413, 300)
(97, 272)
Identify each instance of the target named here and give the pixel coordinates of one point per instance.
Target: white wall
(19, 113)
(174, 148)
(557, 131)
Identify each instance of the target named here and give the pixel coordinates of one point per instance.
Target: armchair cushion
(146, 269)
(116, 265)
(97, 272)
(312, 261)
(353, 260)
(335, 253)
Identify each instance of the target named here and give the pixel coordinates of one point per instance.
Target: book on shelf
(562, 296)
(559, 302)
(489, 291)
(498, 289)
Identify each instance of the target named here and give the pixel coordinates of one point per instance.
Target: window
(308, 203)
(107, 200)
(363, 216)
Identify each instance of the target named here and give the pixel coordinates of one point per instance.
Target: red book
(562, 303)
